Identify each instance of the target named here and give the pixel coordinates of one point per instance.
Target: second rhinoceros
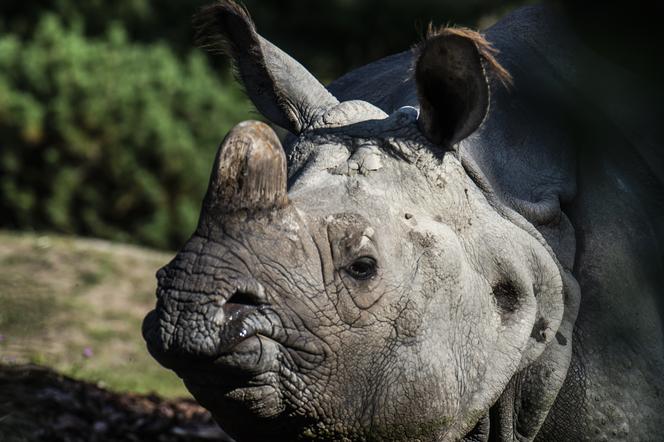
(411, 267)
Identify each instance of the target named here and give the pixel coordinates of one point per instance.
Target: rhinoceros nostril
(240, 303)
(248, 291)
(249, 295)
(245, 298)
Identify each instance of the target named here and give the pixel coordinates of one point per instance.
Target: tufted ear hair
(452, 85)
(280, 87)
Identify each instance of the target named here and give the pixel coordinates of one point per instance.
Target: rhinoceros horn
(249, 171)
(280, 87)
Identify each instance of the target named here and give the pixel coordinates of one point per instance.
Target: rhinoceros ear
(280, 87)
(452, 84)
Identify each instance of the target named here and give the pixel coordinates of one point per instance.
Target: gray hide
(452, 258)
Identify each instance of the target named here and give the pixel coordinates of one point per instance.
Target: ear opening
(521, 410)
(452, 84)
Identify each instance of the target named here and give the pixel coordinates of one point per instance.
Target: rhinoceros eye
(362, 268)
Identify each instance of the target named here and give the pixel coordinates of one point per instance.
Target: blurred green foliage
(105, 137)
(143, 20)
(109, 118)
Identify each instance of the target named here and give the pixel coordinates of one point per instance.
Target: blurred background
(109, 120)
(109, 115)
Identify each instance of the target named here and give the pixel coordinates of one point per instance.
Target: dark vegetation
(104, 137)
(109, 117)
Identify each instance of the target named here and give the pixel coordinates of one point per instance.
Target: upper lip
(245, 314)
(230, 324)
(243, 321)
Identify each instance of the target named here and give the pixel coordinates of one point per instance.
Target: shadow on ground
(38, 404)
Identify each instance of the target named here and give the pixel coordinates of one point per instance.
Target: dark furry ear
(280, 88)
(452, 85)
(223, 26)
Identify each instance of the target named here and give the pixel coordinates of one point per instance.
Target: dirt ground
(37, 404)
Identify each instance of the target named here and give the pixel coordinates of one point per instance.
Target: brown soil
(38, 404)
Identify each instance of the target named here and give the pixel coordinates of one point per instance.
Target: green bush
(144, 20)
(106, 138)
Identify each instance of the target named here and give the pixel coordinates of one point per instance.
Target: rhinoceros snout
(186, 330)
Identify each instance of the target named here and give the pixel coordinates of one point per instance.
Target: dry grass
(77, 305)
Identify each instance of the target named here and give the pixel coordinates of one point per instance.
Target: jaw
(249, 378)
(238, 417)
(253, 395)
(258, 408)
(246, 410)
(243, 388)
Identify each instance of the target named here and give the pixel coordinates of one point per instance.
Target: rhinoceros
(432, 256)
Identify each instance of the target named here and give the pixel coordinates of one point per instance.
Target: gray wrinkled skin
(484, 253)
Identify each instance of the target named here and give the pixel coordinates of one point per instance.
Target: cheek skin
(453, 327)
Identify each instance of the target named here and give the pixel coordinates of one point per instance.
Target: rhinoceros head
(374, 292)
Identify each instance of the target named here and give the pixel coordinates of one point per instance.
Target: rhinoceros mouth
(241, 322)
(248, 359)
(246, 340)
